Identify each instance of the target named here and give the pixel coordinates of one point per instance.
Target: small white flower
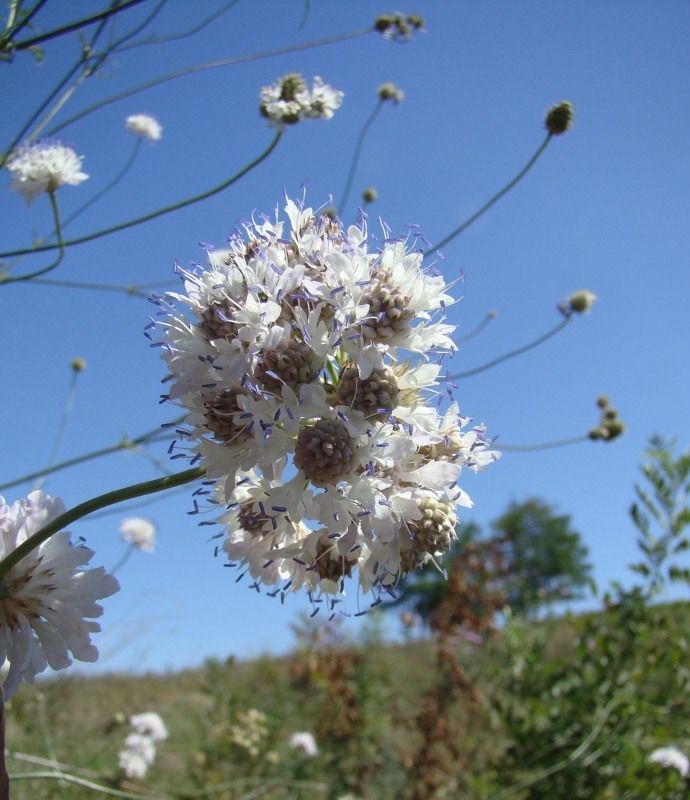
(145, 126)
(47, 604)
(289, 100)
(672, 758)
(306, 741)
(149, 724)
(140, 532)
(137, 756)
(44, 166)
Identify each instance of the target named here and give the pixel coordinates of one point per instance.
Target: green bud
(370, 195)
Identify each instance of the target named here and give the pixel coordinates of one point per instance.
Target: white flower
(44, 166)
(137, 756)
(140, 532)
(149, 724)
(306, 741)
(145, 126)
(47, 604)
(328, 450)
(289, 100)
(672, 758)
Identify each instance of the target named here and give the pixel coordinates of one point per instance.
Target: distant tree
(547, 556)
(532, 558)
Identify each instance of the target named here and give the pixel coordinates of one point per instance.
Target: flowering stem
(60, 244)
(120, 175)
(356, 155)
(125, 558)
(63, 425)
(95, 504)
(517, 352)
(466, 224)
(134, 290)
(139, 220)
(487, 319)
(73, 26)
(210, 65)
(125, 444)
(523, 448)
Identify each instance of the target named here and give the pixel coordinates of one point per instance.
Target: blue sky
(605, 208)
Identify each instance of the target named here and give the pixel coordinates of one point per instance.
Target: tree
(548, 559)
(533, 558)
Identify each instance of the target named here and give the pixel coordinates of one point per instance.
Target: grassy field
(566, 708)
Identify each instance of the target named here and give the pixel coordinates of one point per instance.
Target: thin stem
(61, 244)
(487, 319)
(125, 558)
(210, 65)
(177, 36)
(96, 787)
(135, 290)
(517, 352)
(356, 155)
(85, 56)
(524, 448)
(63, 426)
(153, 215)
(95, 504)
(125, 444)
(113, 183)
(23, 22)
(74, 26)
(493, 200)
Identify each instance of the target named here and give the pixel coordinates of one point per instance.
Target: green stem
(487, 319)
(73, 26)
(12, 29)
(66, 412)
(60, 244)
(125, 558)
(356, 155)
(517, 352)
(493, 200)
(125, 444)
(280, 51)
(134, 290)
(523, 448)
(95, 504)
(153, 215)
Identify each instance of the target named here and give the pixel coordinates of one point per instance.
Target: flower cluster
(46, 603)
(139, 532)
(44, 166)
(139, 751)
(328, 450)
(145, 126)
(290, 100)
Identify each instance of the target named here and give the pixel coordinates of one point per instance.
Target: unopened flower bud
(389, 91)
(370, 195)
(435, 531)
(325, 451)
(559, 118)
(613, 429)
(78, 364)
(579, 302)
(610, 413)
(603, 401)
(375, 396)
(594, 434)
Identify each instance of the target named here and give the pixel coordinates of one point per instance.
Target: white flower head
(144, 125)
(137, 755)
(305, 741)
(140, 532)
(44, 166)
(149, 724)
(47, 602)
(307, 356)
(672, 758)
(290, 100)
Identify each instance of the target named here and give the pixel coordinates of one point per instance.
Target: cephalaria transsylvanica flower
(309, 364)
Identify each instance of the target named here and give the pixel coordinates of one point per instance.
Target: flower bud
(370, 195)
(559, 118)
(389, 91)
(78, 364)
(325, 451)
